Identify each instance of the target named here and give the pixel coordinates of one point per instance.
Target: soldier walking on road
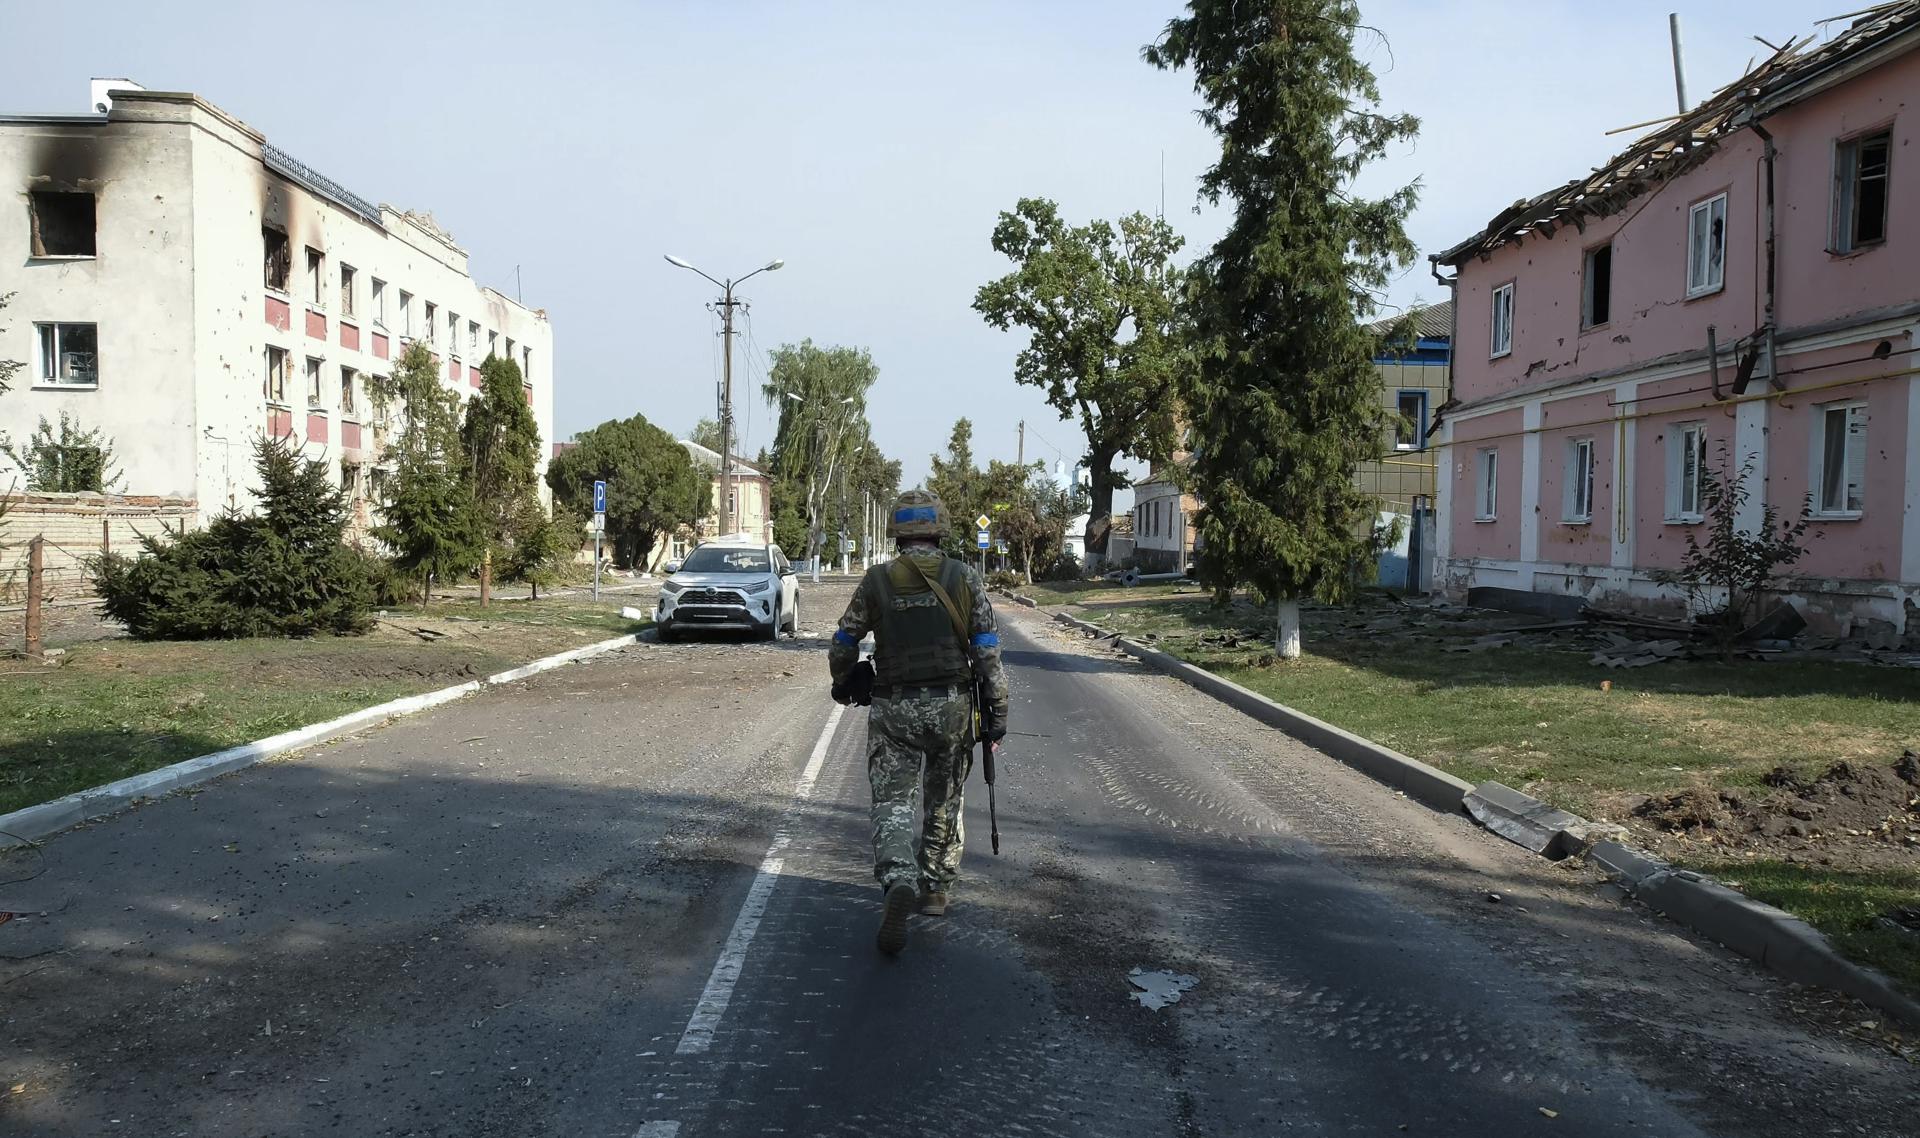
(933, 638)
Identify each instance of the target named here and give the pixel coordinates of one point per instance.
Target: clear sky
(870, 145)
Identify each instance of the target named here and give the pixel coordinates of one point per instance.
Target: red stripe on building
(316, 427)
(349, 336)
(316, 324)
(473, 377)
(279, 313)
(453, 371)
(350, 436)
(279, 423)
(379, 346)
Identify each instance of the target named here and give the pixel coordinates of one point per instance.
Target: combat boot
(901, 898)
(933, 903)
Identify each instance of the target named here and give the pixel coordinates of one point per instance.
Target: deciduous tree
(66, 460)
(1285, 400)
(820, 395)
(1100, 306)
(652, 483)
(500, 441)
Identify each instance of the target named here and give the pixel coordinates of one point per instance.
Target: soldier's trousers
(920, 745)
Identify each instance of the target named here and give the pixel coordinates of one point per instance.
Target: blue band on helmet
(846, 639)
(911, 514)
(986, 640)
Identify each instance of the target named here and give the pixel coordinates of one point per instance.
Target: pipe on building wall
(1770, 324)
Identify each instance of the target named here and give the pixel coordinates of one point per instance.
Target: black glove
(993, 724)
(857, 688)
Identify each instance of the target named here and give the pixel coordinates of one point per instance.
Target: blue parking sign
(599, 497)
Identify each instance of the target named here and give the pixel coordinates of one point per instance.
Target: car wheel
(793, 621)
(772, 629)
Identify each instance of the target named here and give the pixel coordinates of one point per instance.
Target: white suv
(730, 584)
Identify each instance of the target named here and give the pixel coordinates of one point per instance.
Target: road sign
(599, 524)
(982, 522)
(599, 497)
(984, 538)
(848, 545)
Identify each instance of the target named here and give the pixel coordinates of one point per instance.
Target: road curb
(48, 818)
(1772, 938)
(1434, 787)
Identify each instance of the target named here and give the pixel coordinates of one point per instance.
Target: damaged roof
(1685, 141)
(1428, 322)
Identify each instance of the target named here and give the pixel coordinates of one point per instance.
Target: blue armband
(845, 639)
(986, 640)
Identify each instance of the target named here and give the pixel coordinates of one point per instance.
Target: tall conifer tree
(1285, 401)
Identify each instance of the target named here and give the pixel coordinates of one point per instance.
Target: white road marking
(658, 1130)
(726, 970)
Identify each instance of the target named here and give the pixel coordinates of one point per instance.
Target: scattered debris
(1549, 1113)
(1159, 987)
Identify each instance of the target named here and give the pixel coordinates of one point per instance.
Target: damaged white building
(184, 287)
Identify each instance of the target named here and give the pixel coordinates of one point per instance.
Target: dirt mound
(1854, 815)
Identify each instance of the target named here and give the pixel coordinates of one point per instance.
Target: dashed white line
(658, 1130)
(726, 970)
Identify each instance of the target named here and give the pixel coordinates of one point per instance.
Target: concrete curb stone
(1434, 787)
(1768, 936)
(33, 823)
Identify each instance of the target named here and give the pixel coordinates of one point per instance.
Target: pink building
(1741, 286)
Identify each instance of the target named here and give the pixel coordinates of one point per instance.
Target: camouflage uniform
(921, 738)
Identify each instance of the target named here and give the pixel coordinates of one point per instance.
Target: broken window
(1578, 504)
(427, 330)
(69, 354)
(1686, 470)
(473, 336)
(526, 364)
(346, 389)
(62, 223)
(275, 387)
(379, 294)
(346, 290)
(493, 343)
(1597, 306)
(453, 333)
(1843, 459)
(1409, 431)
(1488, 497)
(316, 275)
(1860, 192)
(351, 478)
(1707, 246)
(279, 253)
(1502, 331)
(313, 383)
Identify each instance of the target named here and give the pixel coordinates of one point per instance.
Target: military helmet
(918, 513)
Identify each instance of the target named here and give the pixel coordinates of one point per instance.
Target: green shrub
(281, 572)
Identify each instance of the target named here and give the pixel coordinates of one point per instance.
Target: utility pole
(1022, 459)
(726, 408)
(727, 304)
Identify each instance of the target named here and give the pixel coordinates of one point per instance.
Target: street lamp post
(727, 304)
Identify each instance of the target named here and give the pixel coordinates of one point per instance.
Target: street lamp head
(774, 264)
(793, 396)
(680, 262)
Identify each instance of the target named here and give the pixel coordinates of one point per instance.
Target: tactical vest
(913, 637)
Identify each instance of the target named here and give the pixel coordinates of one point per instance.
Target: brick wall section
(75, 526)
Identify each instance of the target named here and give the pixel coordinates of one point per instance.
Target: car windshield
(721, 559)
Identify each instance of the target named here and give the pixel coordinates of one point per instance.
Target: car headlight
(671, 587)
(760, 586)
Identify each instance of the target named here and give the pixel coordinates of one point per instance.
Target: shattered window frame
(57, 214)
(61, 365)
(277, 251)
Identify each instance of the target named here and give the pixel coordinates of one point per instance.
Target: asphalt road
(632, 898)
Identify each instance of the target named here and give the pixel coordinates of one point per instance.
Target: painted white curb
(48, 818)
